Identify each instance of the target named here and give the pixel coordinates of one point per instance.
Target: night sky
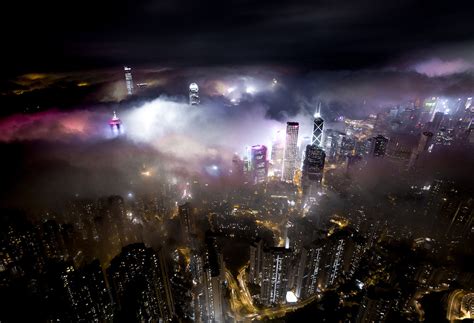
(328, 50)
(53, 36)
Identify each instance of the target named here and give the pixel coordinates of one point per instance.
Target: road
(243, 308)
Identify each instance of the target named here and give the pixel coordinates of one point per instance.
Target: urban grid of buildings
(270, 244)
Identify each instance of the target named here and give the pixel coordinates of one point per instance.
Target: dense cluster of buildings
(295, 228)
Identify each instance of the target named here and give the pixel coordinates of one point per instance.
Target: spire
(317, 114)
(318, 124)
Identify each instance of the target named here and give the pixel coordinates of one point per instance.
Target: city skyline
(237, 162)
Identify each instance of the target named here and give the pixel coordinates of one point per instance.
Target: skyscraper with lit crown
(318, 124)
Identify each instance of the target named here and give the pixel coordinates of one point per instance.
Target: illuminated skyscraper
(194, 94)
(318, 124)
(84, 291)
(209, 288)
(291, 151)
(128, 80)
(259, 163)
(336, 258)
(275, 275)
(278, 153)
(379, 146)
(313, 167)
(309, 270)
(141, 285)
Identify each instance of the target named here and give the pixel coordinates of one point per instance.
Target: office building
(291, 151)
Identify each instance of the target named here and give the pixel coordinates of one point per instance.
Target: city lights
(303, 161)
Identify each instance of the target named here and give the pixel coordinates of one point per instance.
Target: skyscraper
(186, 220)
(379, 146)
(193, 94)
(128, 80)
(313, 167)
(209, 289)
(336, 257)
(141, 285)
(258, 155)
(278, 153)
(309, 270)
(318, 124)
(333, 145)
(275, 275)
(305, 141)
(291, 151)
(256, 257)
(100, 298)
(423, 145)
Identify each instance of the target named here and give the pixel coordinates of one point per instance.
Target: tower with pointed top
(115, 123)
(318, 124)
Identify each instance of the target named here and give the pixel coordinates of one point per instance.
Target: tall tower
(128, 80)
(313, 167)
(318, 124)
(291, 151)
(115, 123)
(278, 151)
(194, 94)
(259, 163)
(309, 270)
(141, 285)
(275, 275)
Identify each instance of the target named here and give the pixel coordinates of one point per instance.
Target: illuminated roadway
(243, 308)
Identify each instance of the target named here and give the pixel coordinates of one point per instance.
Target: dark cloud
(339, 34)
(354, 94)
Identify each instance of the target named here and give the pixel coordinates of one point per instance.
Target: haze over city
(237, 162)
